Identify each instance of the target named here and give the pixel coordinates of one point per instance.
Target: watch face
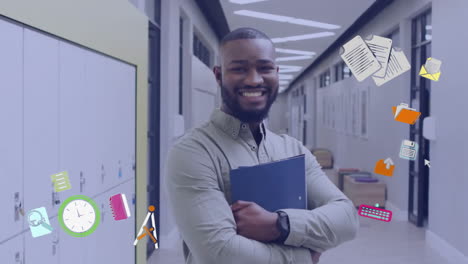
(79, 215)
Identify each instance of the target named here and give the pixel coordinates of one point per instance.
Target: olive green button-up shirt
(198, 188)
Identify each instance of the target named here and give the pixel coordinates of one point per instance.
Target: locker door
(98, 77)
(115, 122)
(79, 250)
(12, 251)
(77, 123)
(77, 153)
(116, 237)
(40, 135)
(11, 120)
(125, 111)
(95, 68)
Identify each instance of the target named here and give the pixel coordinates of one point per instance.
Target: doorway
(421, 36)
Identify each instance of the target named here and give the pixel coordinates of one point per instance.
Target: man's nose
(253, 79)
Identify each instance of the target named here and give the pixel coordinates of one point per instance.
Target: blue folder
(275, 185)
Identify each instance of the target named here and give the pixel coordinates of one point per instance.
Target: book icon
(119, 206)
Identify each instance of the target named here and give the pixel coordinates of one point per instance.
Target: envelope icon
(385, 168)
(431, 70)
(404, 114)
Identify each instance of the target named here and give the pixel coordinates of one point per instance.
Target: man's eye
(238, 69)
(267, 68)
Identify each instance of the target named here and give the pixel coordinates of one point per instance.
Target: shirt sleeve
(331, 218)
(204, 217)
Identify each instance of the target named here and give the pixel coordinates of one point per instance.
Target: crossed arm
(210, 227)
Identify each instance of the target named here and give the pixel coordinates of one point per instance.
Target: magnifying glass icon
(35, 218)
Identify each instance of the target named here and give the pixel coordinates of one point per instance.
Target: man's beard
(247, 116)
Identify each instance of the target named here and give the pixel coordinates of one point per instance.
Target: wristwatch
(283, 226)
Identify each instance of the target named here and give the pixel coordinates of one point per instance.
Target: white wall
(171, 12)
(448, 184)
(277, 117)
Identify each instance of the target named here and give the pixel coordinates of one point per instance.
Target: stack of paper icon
(61, 181)
(374, 56)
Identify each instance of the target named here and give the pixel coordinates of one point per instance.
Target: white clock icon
(79, 216)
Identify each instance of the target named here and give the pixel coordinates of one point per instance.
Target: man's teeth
(252, 94)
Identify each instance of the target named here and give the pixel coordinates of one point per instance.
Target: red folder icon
(119, 206)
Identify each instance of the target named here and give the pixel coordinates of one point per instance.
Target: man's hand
(254, 222)
(315, 256)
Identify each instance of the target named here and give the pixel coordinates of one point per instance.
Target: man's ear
(217, 73)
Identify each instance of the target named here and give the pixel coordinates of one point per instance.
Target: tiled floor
(377, 243)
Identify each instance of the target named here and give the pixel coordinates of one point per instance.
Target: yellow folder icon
(431, 70)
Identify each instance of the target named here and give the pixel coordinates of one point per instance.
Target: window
(325, 79)
(346, 72)
(341, 71)
(338, 72)
(201, 51)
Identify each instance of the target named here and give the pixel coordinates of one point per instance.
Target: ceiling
(295, 18)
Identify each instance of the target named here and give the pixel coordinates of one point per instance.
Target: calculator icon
(375, 213)
(409, 150)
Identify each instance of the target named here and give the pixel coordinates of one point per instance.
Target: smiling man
(214, 229)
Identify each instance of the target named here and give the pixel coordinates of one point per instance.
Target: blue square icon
(39, 222)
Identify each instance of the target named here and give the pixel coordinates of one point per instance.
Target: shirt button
(253, 148)
(244, 126)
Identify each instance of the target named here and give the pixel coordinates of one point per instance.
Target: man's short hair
(244, 33)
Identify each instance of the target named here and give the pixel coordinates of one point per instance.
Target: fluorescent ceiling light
(281, 89)
(283, 82)
(286, 19)
(243, 2)
(289, 68)
(298, 52)
(302, 37)
(291, 58)
(285, 76)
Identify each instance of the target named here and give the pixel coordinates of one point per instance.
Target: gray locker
(117, 236)
(77, 123)
(12, 252)
(67, 109)
(11, 138)
(98, 79)
(124, 119)
(40, 136)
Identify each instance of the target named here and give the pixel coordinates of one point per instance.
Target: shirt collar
(231, 125)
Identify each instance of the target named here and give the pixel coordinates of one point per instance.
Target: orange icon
(403, 113)
(151, 232)
(384, 167)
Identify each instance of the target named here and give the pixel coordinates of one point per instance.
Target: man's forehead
(238, 50)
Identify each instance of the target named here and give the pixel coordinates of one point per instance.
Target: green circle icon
(79, 216)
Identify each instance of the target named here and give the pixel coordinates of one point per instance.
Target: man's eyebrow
(238, 61)
(261, 61)
(265, 61)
